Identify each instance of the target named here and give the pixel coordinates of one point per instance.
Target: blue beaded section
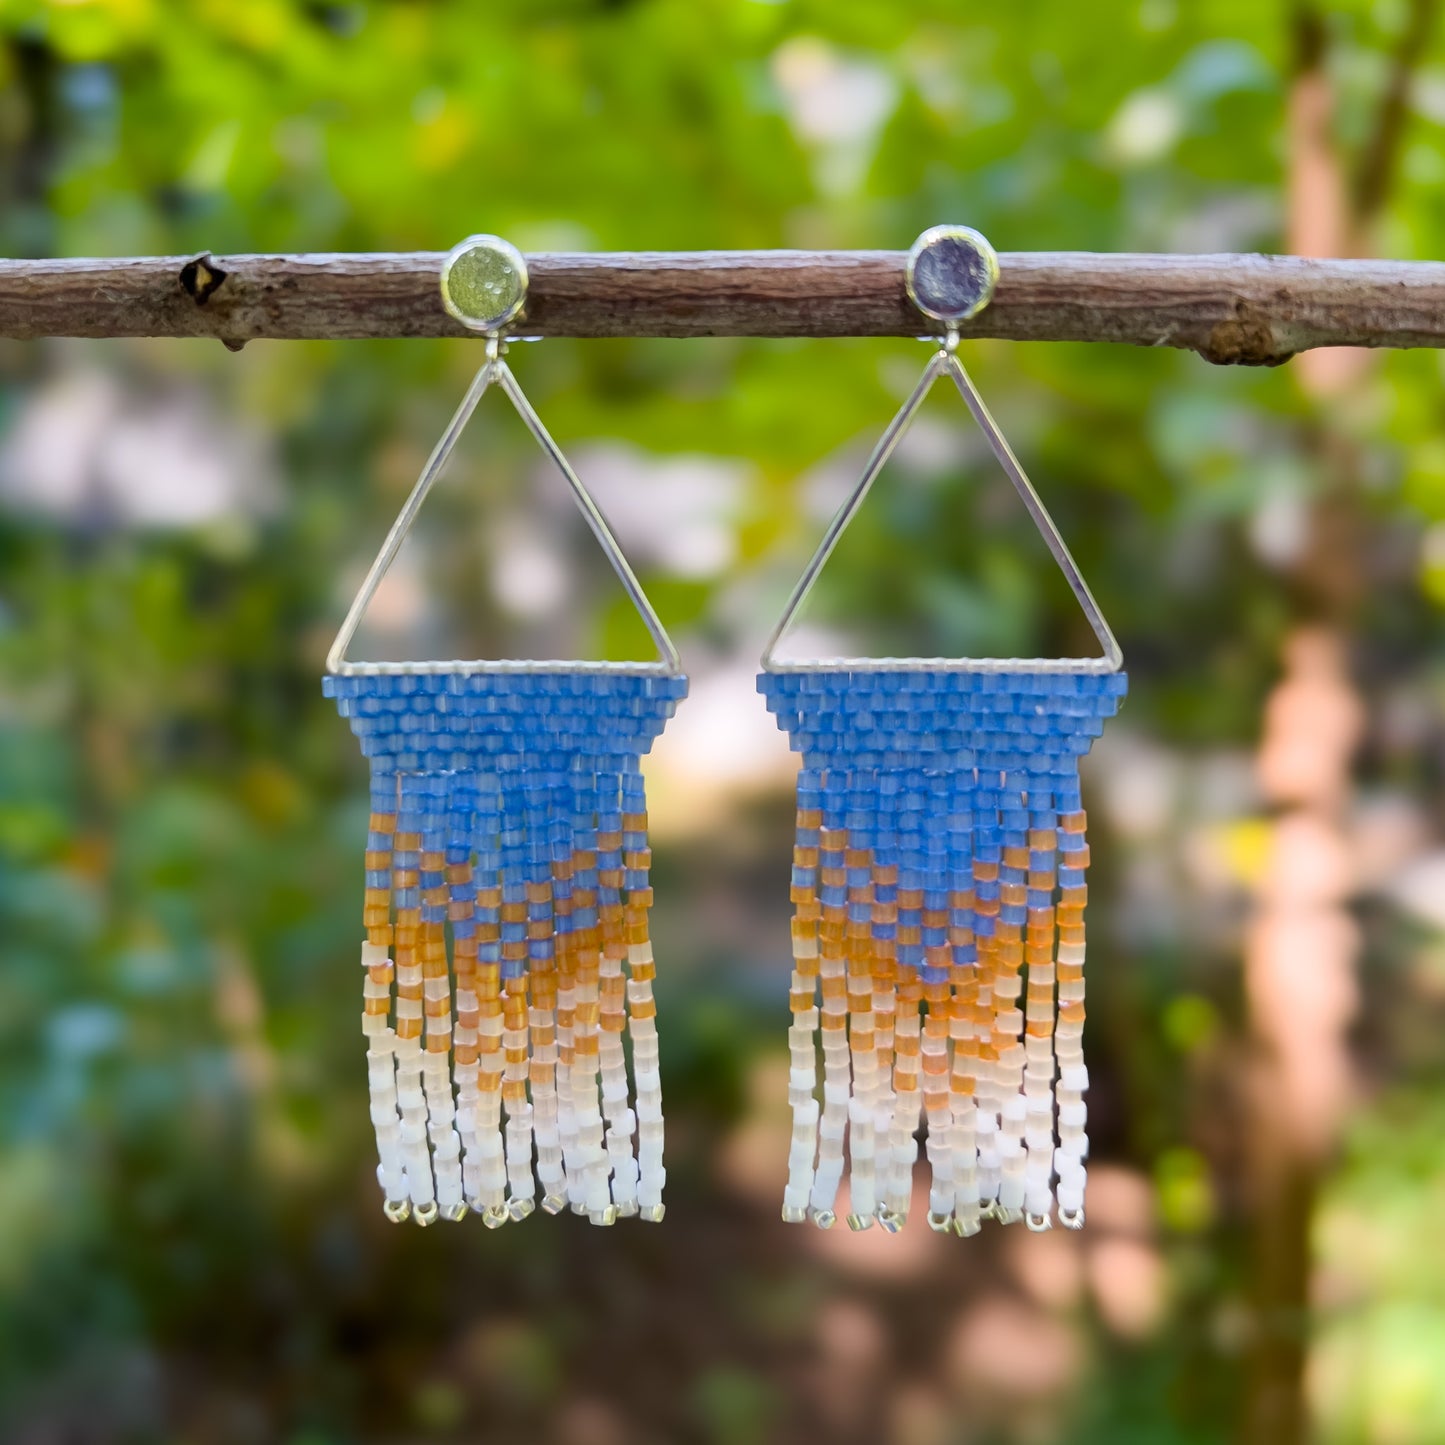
(934, 772)
(511, 771)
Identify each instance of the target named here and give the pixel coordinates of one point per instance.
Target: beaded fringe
(940, 854)
(508, 810)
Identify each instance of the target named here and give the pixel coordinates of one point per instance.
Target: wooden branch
(1250, 310)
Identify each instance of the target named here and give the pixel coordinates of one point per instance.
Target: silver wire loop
(494, 369)
(944, 362)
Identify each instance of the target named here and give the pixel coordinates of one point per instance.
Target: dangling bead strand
(378, 999)
(803, 1001)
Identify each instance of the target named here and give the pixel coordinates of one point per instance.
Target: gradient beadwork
(508, 810)
(939, 886)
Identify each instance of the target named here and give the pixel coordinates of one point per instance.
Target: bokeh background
(191, 1247)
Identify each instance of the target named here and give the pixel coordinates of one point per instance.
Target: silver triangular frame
(495, 370)
(945, 362)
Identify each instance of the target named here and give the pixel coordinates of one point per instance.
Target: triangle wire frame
(945, 362)
(495, 369)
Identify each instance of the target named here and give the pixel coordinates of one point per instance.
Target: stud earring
(508, 811)
(938, 881)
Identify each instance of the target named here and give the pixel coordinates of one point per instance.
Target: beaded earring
(507, 807)
(940, 852)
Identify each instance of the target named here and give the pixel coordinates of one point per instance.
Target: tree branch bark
(1243, 310)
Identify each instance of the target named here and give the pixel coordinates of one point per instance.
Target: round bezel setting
(484, 282)
(951, 273)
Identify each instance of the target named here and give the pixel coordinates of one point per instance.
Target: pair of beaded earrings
(938, 884)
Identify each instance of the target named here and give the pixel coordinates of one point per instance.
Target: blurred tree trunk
(1302, 945)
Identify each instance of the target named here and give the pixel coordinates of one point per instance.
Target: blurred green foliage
(189, 1244)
